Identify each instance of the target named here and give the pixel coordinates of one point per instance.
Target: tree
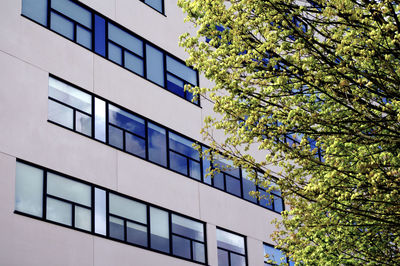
(315, 85)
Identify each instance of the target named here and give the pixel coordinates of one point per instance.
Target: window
(231, 249)
(82, 25)
(155, 4)
(56, 198)
(274, 256)
(113, 125)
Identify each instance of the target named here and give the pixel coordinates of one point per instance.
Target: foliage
(330, 90)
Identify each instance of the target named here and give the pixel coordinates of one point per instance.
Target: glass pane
(127, 208)
(29, 189)
(73, 11)
(114, 53)
(248, 186)
(59, 211)
(36, 10)
(206, 166)
(136, 234)
(219, 180)
(135, 145)
(183, 146)
(223, 259)
(237, 260)
(69, 189)
(60, 114)
(178, 163)
(83, 218)
(62, 25)
(125, 39)
(69, 95)
(181, 70)
(180, 247)
(156, 4)
(186, 227)
(157, 144)
(265, 200)
(83, 124)
(133, 63)
(194, 169)
(159, 229)
(274, 254)
(278, 204)
(84, 37)
(226, 166)
(198, 252)
(175, 86)
(233, 185)
(117, 228)
(126, 120)
(230, 241)
(99, 35)
(115, 137)
(100, 211)
(100, 119)
(155, 65)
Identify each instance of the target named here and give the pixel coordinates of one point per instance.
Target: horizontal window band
(192, 168)
(26, 175)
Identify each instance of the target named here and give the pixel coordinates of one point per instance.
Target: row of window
(97, 33)
(106, 122)
(54, 197)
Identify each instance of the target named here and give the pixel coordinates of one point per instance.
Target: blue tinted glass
(156, 4)
(72, 10)
(62, 25)
(223, 259)
(226, 166)
(136, 234)
(194, 169)
(198, 252)
(206, 166)
(125, 39)
(114, 53)
(175, 86)
(135, 145)
(237, 260)
(84, 37)
(248, 186)
(181, 247)
(189, 97)
(233, 185)
(178, 163)
(36, 10)
(181, 70)
(187, 227)
(133, 63)
(218, 180)
(115, 137)
(274, 254)
(155, 65)
(99, 35)
(278, 204)
(126, 120)
(183, 146)
(157, 144)
(116, 227)
(265, 200)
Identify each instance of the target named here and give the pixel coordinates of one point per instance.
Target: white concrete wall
(28, 53)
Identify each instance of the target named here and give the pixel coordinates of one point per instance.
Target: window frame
(229, 251)
(108, 214)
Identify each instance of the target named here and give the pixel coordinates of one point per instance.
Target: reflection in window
(73, 203)
(274, 256)
(231, 249)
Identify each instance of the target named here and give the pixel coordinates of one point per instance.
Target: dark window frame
(108, 214)
(162, 6)
(269, 264)
(229, 251)
(107, 40)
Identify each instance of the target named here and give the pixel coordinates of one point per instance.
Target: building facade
(96, 149)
